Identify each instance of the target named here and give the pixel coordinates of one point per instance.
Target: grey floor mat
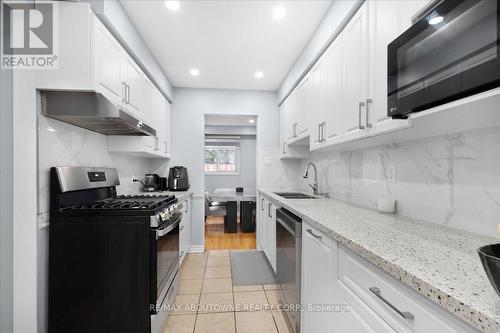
(250, 267)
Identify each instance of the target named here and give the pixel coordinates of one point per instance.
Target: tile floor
(208, 302)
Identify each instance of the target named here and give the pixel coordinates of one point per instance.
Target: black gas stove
(126, 205)
(117, 254)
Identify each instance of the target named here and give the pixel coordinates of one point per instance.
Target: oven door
(451, 52)
(164, 259)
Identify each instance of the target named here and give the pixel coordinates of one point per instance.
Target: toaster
(178, 179)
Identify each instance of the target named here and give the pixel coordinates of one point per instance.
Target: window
(222, 160)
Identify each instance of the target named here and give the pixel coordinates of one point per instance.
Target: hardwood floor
(216, 239)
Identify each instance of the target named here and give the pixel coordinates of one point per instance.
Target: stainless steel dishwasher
(288, 263)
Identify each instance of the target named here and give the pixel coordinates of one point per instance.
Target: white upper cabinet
(354, 85)
(387, 20)
(109, 64)
(134, 81)
(331, 90)
(344, 96)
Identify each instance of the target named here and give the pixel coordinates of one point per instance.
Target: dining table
(230, 194)
(233, 199)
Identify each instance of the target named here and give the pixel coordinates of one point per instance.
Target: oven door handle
(166, 230)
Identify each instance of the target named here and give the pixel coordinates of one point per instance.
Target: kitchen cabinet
(140, 146)
(321, 287)
(345, 93)
(354, 49)
(319, 269)
(327, 117)
(108, 59)
(266, 230)
(377, 303)
(270, 234)
(115, 74)
(185, 230)
(387, 20)
(93, 60)
(261, 222)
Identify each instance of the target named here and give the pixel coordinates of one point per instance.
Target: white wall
(188, 113)
(247, 172)
(451, 179)
(332, 24)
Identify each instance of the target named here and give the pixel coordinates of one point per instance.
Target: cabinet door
(263, 227)
(387, 20)
(316, 113)
(284, 109)
(360, 318)
(135, 82)
(319, 276)
(354, 78)
(271, 234)
(302, 116)
(168, 136)
(108, 60)
(332, 125)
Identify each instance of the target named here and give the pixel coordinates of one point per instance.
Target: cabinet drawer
(402, 308)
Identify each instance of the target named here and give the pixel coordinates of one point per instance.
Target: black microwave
(450, 52)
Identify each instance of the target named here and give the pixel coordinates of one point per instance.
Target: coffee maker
(178, 179)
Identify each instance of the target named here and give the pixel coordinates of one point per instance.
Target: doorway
(230, 181)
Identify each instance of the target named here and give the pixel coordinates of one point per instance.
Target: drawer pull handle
(406, 315)
(313, 234)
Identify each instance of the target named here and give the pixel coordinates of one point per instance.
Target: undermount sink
(295, 195)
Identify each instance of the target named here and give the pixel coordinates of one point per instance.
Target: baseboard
(196, 248)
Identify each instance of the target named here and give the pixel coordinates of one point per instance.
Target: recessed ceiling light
(279, 13)
(259, 75)
(436, 20)
(173, 5)
(194, 72)
(251, 121)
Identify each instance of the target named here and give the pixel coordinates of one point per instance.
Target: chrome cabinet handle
(323, 131)
(368, 101)
(128, 92)
(284, 147)
(124, 92)
(406, 315)
(314, 235)
(262, 204)
(269, 208)
(181, 228)
(187, 207)
(361, 104)
(166, 147)
(319, 132)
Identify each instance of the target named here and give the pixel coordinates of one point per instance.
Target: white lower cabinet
(185, 230)
(266, 229)
(270, 236)
(374, 301)
(319, 269)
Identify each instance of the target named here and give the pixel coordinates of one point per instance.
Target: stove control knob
(163, 216)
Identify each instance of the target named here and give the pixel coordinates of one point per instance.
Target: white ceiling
(230, 120)
(227, 41)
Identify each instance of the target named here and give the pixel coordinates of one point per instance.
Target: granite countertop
(439, 262)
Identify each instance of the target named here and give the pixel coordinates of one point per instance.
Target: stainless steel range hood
(92, 111)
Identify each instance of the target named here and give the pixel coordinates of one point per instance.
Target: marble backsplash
(61, 144)
(451, 179)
